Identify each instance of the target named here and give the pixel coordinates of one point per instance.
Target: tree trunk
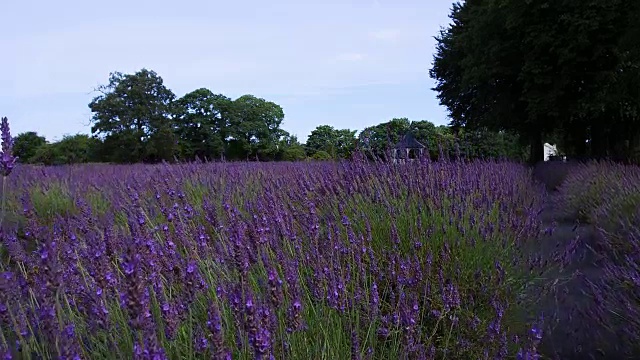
(598, 140)
(580, 144)
(635, 148)
(536, 148)
(618, 142)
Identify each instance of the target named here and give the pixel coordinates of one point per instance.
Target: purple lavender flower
(7, 160)
(5, 354)
(70, 348)
(216, 336)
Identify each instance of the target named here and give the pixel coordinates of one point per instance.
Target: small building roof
(409, 142)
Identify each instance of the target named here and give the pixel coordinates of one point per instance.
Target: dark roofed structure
(408, 148)
(408, 141)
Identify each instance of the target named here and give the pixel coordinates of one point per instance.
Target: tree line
(562, 71)
(136, 118)
(513, 75)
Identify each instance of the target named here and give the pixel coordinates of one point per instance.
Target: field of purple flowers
(298, 260)
(317, 260)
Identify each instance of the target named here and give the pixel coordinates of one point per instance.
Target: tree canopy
(541, 69)
(133, 114)
(337, 143)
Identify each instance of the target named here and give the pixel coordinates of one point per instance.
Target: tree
(533, 67)
(488, 144)
(45, 154)
(338, 143)
(254, 128)
(133, 114)
(26, 144)
(321, 138)
(202, 124)
(79, 148)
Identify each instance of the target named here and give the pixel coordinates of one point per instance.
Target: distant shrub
(321, 155)
(294, 154)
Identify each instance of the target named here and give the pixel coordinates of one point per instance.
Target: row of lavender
(607, 196)
(321, 260)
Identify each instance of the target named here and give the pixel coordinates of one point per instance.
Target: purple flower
(7, 160)
(527, 355)
(215, 328)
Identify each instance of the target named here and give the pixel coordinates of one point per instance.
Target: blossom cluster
(7, 159)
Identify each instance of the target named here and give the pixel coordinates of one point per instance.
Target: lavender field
(309, 260)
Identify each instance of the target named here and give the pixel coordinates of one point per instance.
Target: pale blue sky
(349, 64)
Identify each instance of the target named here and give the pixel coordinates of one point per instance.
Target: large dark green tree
(534, 68)
(254, 128)
(202, 124)
(133, 114)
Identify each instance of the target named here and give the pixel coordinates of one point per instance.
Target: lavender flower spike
(7, 160)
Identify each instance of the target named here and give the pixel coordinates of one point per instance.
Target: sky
(348, 64)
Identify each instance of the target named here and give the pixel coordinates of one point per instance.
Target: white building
(549, 150)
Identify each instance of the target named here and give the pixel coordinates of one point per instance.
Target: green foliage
(543, 68)
(25, 145)
(377, 139)
(133, 115)
(443, 140)
(321, 156)
(79, 148)
(255, 127)
(51, 201)
(45, 155)
(339, 143)
(136, 118)
(72, 149)
(483, 143)
(294, 154)
(202, 124)
(290, 149)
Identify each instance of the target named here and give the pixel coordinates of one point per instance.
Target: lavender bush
(602, 193)
(606, 197)
(305, 260)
